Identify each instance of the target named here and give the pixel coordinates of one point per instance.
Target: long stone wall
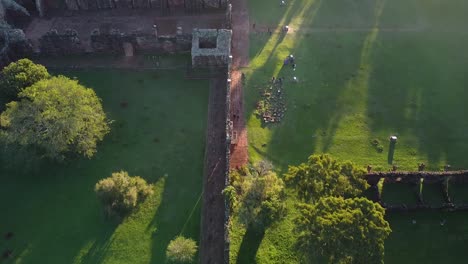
(414, 180)
(112, 41)
(77, 5)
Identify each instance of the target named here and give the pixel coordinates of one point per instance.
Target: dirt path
(240, 52)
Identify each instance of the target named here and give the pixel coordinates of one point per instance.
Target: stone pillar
(128, 49)
(40, 7)
(229, 16)
(155, 30)
(179, 31)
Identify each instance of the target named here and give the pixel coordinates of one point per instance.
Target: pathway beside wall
(240, 52)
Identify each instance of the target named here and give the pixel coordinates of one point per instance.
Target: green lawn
(367, 70)
(52, 209)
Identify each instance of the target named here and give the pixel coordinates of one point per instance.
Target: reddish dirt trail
(240, 52)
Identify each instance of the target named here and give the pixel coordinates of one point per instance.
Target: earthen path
(240, 52)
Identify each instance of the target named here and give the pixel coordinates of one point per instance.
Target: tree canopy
(19, 75)
(181, 250)
(121, 193)
(338, 230)
(58, 116)
(323, 176)
(256, 195)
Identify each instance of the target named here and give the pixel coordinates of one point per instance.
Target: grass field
(367, 70)
(52, 209)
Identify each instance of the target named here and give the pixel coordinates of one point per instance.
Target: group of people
(291, 61)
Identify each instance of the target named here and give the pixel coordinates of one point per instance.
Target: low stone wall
(76, 5)
(113, 41)
(415, 180)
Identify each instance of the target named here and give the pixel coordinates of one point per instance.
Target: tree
(181, 250)
(324, 176)
(19, 75)
(256, 195)
(261, 200)
(121, 193)
(58, 116)
(338, 230)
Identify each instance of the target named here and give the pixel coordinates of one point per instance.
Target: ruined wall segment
(211, 47)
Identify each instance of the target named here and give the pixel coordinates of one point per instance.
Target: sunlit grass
(52, 208)
(367, 70)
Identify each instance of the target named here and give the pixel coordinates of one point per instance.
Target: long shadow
(52, 208)
(62, 222)
(249, 246)
(418, 94)
(166, 226)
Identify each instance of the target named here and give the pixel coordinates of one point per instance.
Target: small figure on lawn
(285, 29)
(421, 167)
(295, 79)
(294, 66)
(269, 31)
(369, 168)
(282, 3)
(442, 223)
(447, 167)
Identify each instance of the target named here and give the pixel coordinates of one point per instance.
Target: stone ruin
(211, 47)
(83, 5)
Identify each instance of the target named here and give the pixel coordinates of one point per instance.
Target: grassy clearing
(52, 208)
(367, 70)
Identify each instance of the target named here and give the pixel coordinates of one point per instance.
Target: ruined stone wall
(217, 56)
(215, 4)
(112, 42)
(110, 4)
(67, 43)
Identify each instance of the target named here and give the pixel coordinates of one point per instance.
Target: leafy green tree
(19, 75)
(338, 230)
(256, 195)
(57, 116)
(323, 176)
(181, 250)
(261, 200)
(121, 193)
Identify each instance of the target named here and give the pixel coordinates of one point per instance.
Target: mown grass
(367, 70)
(52, 209)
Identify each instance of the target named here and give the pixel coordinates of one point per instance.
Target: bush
(181, 250)
(121, 193)
(376, 143)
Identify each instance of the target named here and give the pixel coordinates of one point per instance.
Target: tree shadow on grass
(419, 94)
(179, 213)
(249, 246)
